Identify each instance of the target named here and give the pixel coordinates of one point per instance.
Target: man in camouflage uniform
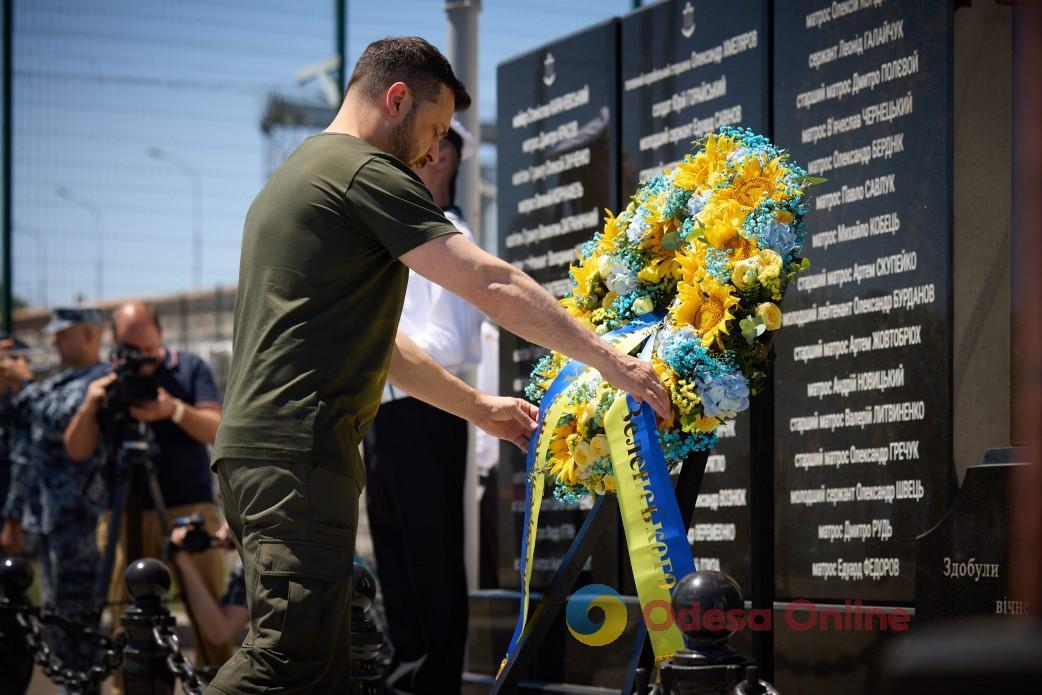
(70, 496)
(14, 376)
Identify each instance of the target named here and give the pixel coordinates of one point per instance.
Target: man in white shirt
(415, 458)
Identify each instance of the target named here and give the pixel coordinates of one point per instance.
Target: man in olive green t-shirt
(326, 250)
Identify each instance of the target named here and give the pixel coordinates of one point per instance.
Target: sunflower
(663, 265)
(714, 312)
(560, 455)
(691, 174)
(722, 219)
(584, 276)
(610, 233)
(687, 304)
(706, 307)
(571, 458)
(718, 146)
(571, 305)
(727, 238)
(717, 149)
(755, 180)
(690, 264)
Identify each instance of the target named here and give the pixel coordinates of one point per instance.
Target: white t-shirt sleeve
(451, 330)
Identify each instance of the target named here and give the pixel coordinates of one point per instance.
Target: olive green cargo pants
(294, 525)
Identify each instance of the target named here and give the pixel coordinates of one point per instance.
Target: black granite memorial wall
(556, 174)
(862, 97)
(860, 92)
(687, 70)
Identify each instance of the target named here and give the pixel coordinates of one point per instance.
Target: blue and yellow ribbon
(656, 537)
(551, 409)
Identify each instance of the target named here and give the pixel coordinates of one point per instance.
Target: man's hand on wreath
(512, 419)
(637, 378)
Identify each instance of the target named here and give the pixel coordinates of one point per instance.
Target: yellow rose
(608, 299)
(604, 266)
(770, 314)
(642, 305)
(744, 275)
(768, 263)
(599, 445)
(609, 483)
(582, 455)
(784, 216)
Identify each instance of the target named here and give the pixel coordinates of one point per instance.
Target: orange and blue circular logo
(583, 627)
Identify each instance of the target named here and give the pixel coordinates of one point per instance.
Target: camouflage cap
(66, 317)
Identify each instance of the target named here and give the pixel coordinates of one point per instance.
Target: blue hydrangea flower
(637, 226)
(780, 238)
(723, 395)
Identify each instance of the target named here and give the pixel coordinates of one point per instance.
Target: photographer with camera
(68, 497)
(220, 620)
(182, 419)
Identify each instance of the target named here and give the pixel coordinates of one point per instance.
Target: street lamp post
(197, 209)
(95, 211)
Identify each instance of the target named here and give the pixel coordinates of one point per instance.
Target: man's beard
(402, 144)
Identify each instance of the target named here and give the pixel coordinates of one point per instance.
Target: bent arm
(218, 623)
(81, 436)
(415, 372)
(200, 422)
(518, 303)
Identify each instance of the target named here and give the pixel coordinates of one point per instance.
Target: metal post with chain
(89, 681)
(16, 656)
(25, 623)
(148, 649)
(153, 653)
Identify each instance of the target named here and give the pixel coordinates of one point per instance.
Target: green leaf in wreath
(752, 328)
(812, 180)
(672, 241)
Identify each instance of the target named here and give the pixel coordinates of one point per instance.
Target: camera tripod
(130, 471)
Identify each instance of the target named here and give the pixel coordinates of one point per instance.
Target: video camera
(197, 540)
(131, 387)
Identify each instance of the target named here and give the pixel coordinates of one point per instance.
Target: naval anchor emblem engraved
(548, 70)
(687, 28)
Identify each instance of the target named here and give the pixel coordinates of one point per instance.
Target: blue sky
(100, 83)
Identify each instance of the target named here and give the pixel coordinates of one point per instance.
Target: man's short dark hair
(411, 60)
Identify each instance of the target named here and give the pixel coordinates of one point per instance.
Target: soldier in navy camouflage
(69, 494)
(14, 376)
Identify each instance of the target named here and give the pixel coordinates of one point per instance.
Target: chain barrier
(166, 639)
(33, 621)
(148, 648)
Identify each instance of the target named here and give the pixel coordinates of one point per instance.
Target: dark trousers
(415, 457)
(294, 526)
